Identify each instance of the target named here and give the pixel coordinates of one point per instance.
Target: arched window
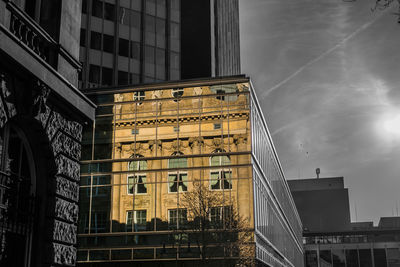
(17, 197)
(139, 96)
(224, 89)
(177, 180)
(137, 181)
(177, 93)
(220, 178)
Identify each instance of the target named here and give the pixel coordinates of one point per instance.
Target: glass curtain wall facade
(153, 144)
(362, 249)
(129, 42)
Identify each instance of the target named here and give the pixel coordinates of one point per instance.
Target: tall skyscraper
(143, 41)
(210, 37)
(129, 42)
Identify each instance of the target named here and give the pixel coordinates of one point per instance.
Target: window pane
(380, 257)
(83, 37)
(365, 257)
(123, 16)
(109, 11)
(123, 78)
(97, 8)
(135, 50)
(352, 258)
(123, 47)
(161, 8)
(94, 74)
(108, 43)
(325, 258)
(134, 18)
(107, 76)
(95, 40)
(338, 258)
(311, 259)
(151, 7)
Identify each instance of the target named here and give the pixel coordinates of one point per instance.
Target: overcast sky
(327, 73)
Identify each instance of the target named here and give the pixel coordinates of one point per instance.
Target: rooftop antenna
(317, 171)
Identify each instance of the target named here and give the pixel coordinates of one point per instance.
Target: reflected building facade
(152, 144)
(129, 42)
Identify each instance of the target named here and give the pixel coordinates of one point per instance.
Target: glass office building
(129, 42)
(153, 144)
(360, 248)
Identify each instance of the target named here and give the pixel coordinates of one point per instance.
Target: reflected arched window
(224, 89)
(177, 179)
(137, 181)
(220, 178)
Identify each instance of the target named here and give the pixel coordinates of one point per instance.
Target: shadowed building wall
(323, 204)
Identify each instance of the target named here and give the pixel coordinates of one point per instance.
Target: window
(136, 220)
(95, 40)
(177, 92)
(109, 11)
(220, 179)
(137, 182)
(107, 76)
(94, 74)
(108, 43)
(219, 215)
(177, 218)
(83, 37)
(135, 131)
(135, 50)
(177, 181)
(139, 96)
(217, 126)
(97, 8)
(99, 221)
(123, 78)
(123, 47)
(221, 90)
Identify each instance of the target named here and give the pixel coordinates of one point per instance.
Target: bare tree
(216, 225)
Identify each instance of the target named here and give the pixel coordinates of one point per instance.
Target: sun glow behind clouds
(388, 126)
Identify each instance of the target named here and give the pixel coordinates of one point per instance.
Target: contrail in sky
(362, 28)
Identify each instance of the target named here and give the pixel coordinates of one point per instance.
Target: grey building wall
(323, 204)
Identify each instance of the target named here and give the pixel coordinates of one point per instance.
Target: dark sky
(327, 73)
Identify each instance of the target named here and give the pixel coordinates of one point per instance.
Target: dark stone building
(323, 204)
(42, 115)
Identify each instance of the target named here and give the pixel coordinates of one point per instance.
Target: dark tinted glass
(135, 50)
(109, 11)
(134, 19)
(108, 43)
(325, 257)
(380, 257)
(123, 78)
(107, 76)
(365, 257)
(311, 259)
(84, 6)
(83, 37)
(123, 47)
(161, 8)
(94, 74)
(97, 8)
(149, 54)
(338, 258)
(352, 258)
(95, 40)
(151, 7)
